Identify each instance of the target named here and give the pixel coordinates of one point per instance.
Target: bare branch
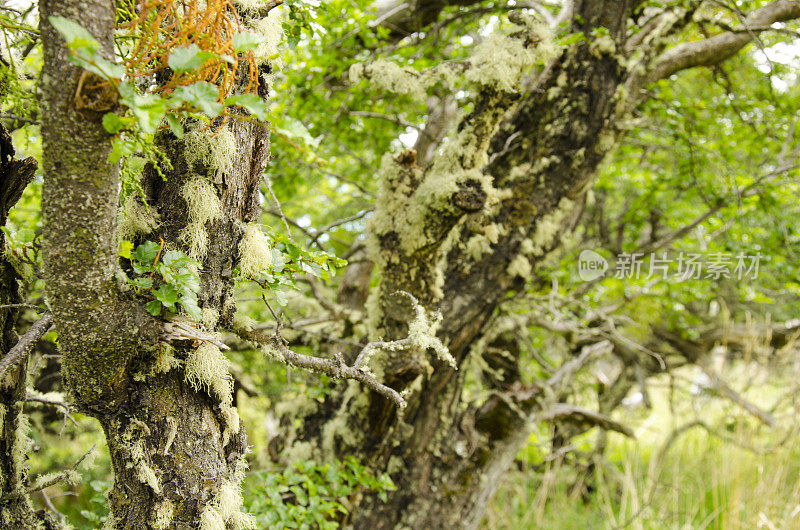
(23, 348)
(716, 49)
(334, 367)
(566, 412)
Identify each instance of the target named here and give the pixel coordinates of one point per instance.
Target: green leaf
(188, 58)
(112, 123)
(247, 41)
(201, 95)
(146, 252)
(189, 305)
(153, 307)
(125, 248)
(75, 35)
(175, 126)
(167, 294)
(145, 282)
(251, 103)
(172, 256)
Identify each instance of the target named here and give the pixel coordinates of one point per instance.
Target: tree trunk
(445, 454)
(16, 510)
(175, 440)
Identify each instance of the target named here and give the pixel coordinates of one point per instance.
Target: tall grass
(697, 463)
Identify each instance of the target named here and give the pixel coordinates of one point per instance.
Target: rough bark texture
(446, 455)
(166, 437)
(16, 510)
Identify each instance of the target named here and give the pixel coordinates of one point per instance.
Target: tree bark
(446, 454)
(174, 444)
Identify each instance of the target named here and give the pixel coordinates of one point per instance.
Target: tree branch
(23, 348)
(716, 49)
(334, 367)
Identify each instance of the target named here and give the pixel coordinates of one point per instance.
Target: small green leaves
(201, 95)
(251, 103)
(188, 58)
(78, 39)
(176, 284)
(246, 41)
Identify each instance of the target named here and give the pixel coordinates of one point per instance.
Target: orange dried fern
(156, 27)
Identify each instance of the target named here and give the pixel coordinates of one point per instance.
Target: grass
(698, 463)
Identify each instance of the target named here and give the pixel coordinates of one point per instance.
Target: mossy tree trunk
(540, 153)
(176, 446)
(16, 510)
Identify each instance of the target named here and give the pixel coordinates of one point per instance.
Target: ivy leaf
(251, 103)
(153, 307)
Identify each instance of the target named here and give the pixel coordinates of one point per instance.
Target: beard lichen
(207, 369)
(547, 227)
(501, 60)
(224, 510)
(136, 218)
(162, 518)
(422, 332)
(255, 253)
(204, 206)
(209, 152)
(270, 28)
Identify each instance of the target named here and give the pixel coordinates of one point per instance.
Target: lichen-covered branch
(716, 49)
(25, 345)
(334, 367)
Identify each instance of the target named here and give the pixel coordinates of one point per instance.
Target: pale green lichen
(270, 28)
(548, 226)
(225, 509)
(255, 253)
(204, 206)
(166, 360)
(136, 218)
(135, 444)
(243, 322)
(208, 369)
(502, 60)
(388, 76)
(210, 317)
(22, 446)
(519, 266)
(230, 419)
(211, 151)
(162, 518)
(422, 332)
(603, 45)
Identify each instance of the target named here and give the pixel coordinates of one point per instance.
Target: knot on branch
(470, 196)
